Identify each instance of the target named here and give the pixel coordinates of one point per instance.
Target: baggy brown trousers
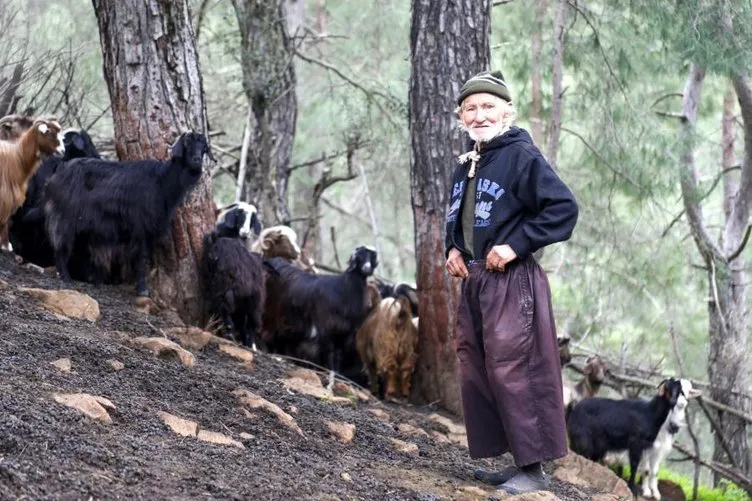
(509, 364)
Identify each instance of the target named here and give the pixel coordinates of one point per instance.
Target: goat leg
(61, 263)
(139, 267)
(635, 454)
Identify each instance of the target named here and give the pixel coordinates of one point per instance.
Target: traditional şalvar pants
(509, 364)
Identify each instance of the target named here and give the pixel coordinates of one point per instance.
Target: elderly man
(506, 202)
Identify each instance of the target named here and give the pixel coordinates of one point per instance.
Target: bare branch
(368, 93)
(616, 171)
(662, 98)
(669, 114)
(501, 2)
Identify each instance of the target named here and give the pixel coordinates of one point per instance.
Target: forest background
(607, 87)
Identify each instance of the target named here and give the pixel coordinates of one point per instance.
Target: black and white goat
(653, 457)
(238, 220)
(235, 277)
(597, 426)
(102, 205)
(328, 308)
(27, 227)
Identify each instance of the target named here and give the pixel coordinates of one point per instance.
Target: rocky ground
(96, 410)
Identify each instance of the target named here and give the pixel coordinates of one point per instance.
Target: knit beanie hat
(485, 81)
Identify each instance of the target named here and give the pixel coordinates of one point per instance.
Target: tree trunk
(558, 74)
(536, 117)
(269, 82)
(728, 362)
(449, 42)
(152, 73)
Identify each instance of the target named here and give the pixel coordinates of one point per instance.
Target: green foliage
(727, 491)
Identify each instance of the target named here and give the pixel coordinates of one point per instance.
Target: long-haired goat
(104, 205)
(18, 161)
(600, 425)
(329, 308)
(235, 277)
(27, 228)
(387, 343)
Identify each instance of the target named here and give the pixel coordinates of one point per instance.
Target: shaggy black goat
(102, 205)
(27, 226)
(329, 308)
(600, 425)
(235, 277)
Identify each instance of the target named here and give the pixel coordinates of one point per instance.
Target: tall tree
(267, 54)
(449, 42)
(152, 73)
(728, 359)
(536, 112)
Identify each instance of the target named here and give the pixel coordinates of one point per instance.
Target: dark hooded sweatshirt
(519, 199)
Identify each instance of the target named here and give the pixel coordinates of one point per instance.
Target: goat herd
(98, 221)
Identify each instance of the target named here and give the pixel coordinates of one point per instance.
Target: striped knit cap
(485, 81)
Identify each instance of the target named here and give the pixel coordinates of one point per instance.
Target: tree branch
(688, 178)
(368, 93)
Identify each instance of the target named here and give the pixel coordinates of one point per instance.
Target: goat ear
(178, 149)
(79, 143)
(208, 152)
(662, 388)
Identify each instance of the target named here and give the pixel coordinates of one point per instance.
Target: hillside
(51, 451)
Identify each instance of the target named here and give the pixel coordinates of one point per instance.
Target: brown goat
(564, 355)
(594, 374)
(387, 344)
(13, 126)
(18, 162)
(282, 241)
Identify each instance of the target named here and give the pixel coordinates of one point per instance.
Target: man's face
(483, 115)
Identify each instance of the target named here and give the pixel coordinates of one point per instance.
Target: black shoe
(525, 482)
(496, 477)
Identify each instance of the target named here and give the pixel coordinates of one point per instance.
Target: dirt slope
(51, 451)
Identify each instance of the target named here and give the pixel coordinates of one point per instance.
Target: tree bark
(152, 73)
(557, 102)
(536, 117)
(267, 52)
(449, 42)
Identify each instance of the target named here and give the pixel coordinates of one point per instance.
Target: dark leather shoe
(496, 477)
(525, 482)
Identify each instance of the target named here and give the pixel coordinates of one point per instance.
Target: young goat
(565, 356)
(387, 343)
(236, 283)
(329, 308)
(102, 205)
(27, 229)
(594, 374)
(18, 162)
(599, 425)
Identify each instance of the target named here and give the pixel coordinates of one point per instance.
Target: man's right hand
(455, 264)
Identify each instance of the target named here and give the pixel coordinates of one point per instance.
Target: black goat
(600, 425)
(235, 277)
(120, 206)
(27, 228)
(328, 308)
